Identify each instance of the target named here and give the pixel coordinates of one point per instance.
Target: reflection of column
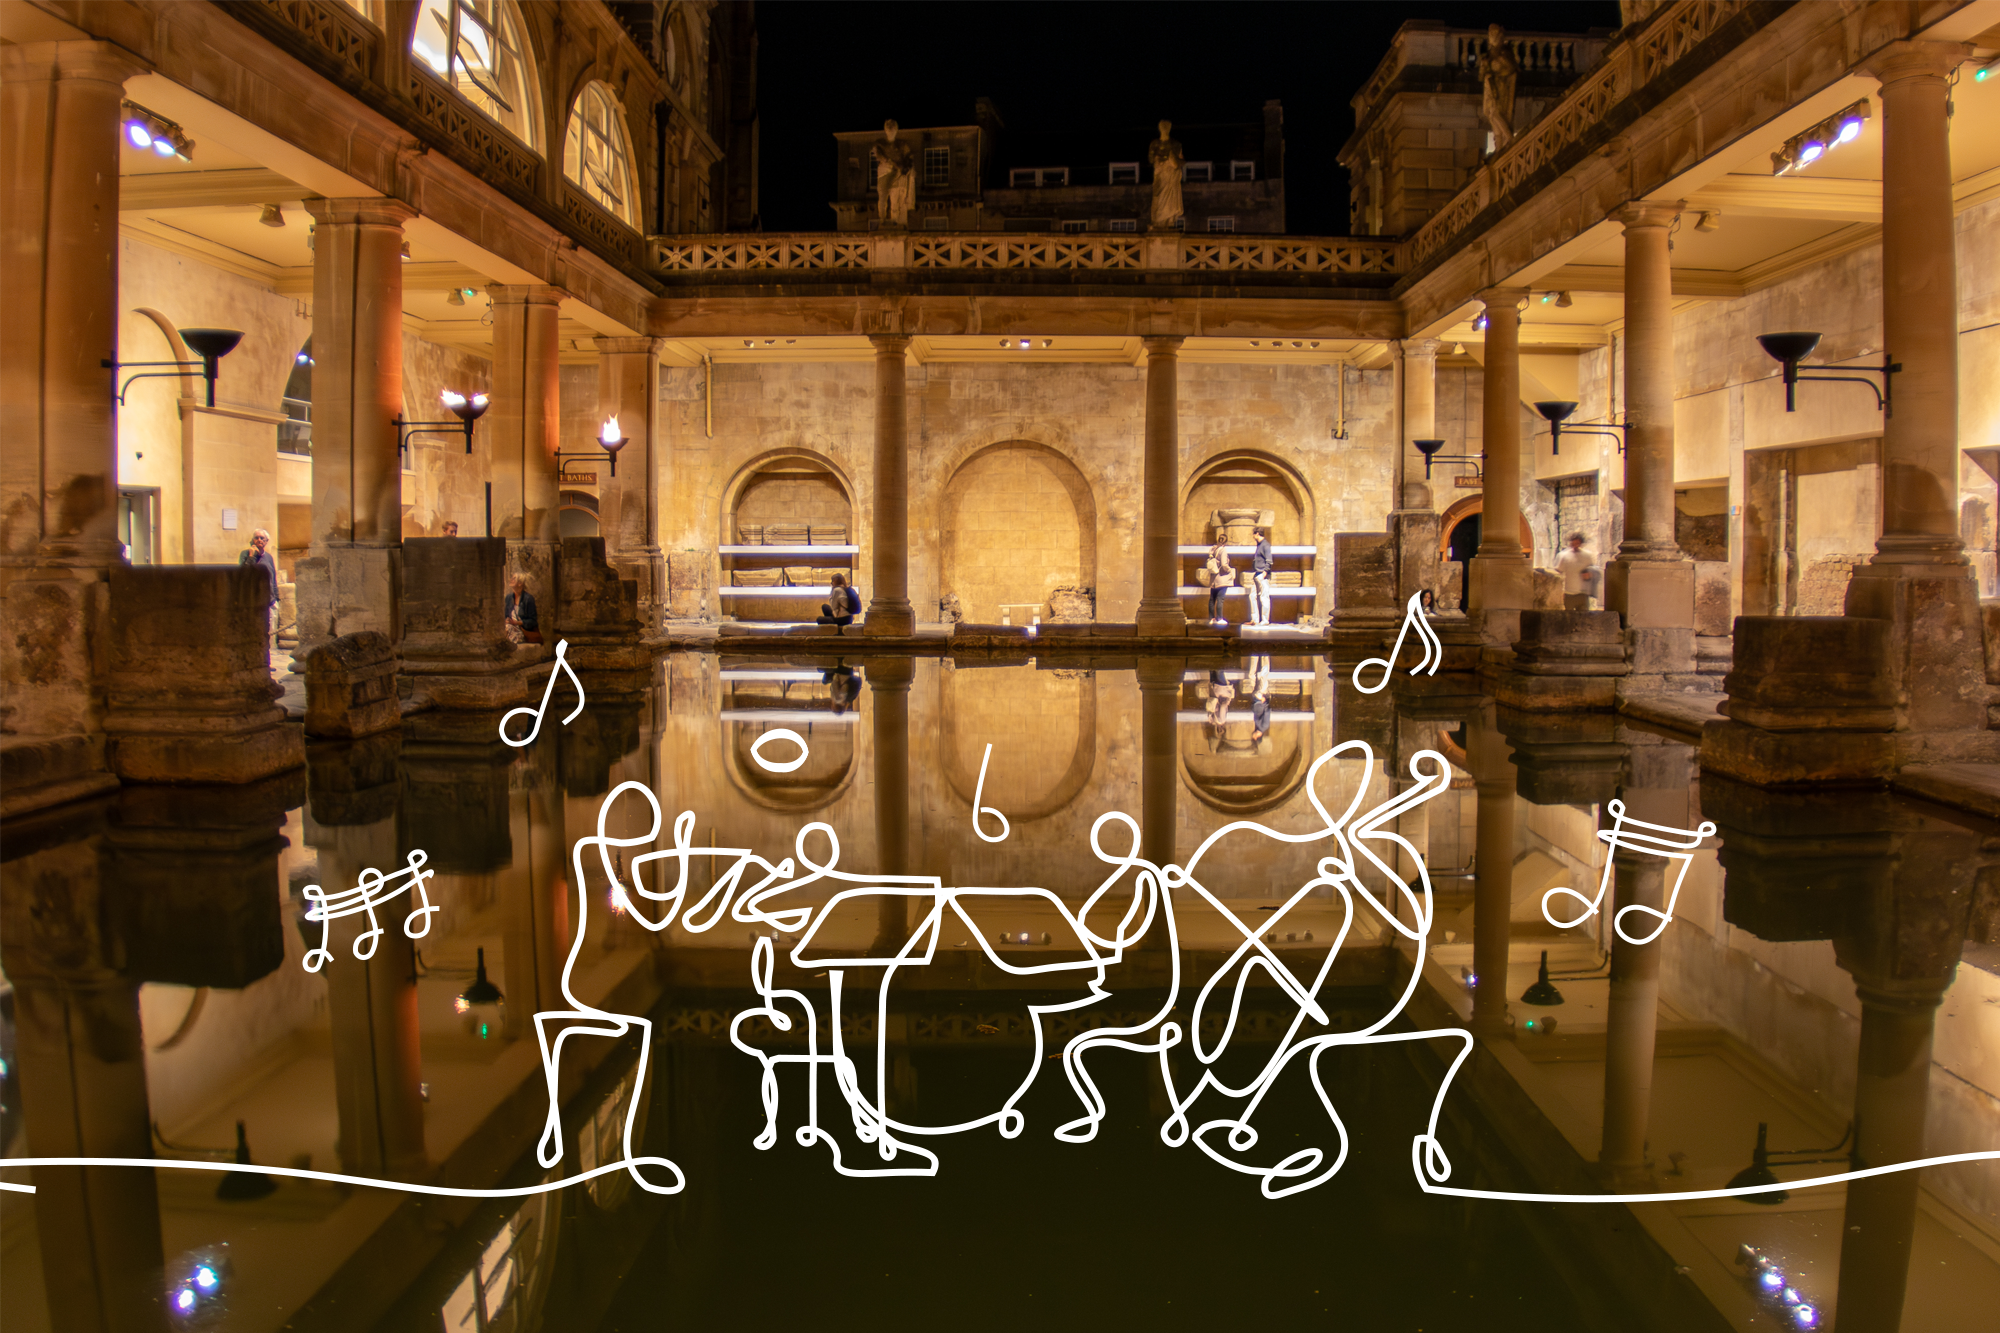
(1500, 580)
(1891, 1096)
(889, 608)
(1159, 782)
(522, 430)
(377, 1052)
(628, 387)
(1488, 756)
(1159, 533)
(59, 175)
(1632, 1021)
(889, 702)
(83, 1090)
(538, 900)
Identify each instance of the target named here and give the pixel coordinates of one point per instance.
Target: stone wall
(440, 480)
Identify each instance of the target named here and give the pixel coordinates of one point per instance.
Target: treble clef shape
(562, 665)
(1426, 665)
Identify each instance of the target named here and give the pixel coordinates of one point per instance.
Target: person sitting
(523, 623)
(844, 606)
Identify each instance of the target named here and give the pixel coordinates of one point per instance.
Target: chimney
(1274, 140)
(987, 117)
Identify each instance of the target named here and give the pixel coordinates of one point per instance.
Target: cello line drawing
(562, 665)
(1427, 665)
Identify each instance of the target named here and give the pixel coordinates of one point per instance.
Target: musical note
(1427, 665)
(978, 794)
(373, 889)
(562, 665)
(1675, 844)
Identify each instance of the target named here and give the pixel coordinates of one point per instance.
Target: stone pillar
(58, 471)
(889, 607)
(1493, 873)
(889, 682)
(1631, 1022)
(1160, 612)
(538, 897)
(522, 429)
(1651, 584)
(1919, 579)
(1501, 585)
(1159, 778)
(628, 387)
(1413, 525)
(351, 579)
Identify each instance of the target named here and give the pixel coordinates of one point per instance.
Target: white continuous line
(1676, 1195)
(334, 1178)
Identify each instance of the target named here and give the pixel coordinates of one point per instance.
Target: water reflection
(1815, 972)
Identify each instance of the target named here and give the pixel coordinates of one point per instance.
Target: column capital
(1649, 213)
(374, 211)
(1420, 348)
(890, 673)
(1162, 344)
(525, 294)
(97, 62)
(638, 346)
(889, 344)
(1503, 298)
(1917, 60)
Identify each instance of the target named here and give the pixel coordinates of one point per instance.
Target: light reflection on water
(153, 943)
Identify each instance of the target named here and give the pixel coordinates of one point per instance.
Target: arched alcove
(1017, 523)
(1248, 479)
(793, 501)
(1229, 769)
(577, 514)
(814, 785)
(1023, 781)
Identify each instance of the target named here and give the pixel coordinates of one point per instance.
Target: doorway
(139, 523)
(1460, 547)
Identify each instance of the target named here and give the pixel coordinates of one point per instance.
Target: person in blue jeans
(1260, 579)
(844, 606)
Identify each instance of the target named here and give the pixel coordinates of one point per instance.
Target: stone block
(1657, 650)
(354, 782)
(1548, 590)
(1811, 674)
(1364, 570)
(689, 574)
(1413, 550)
(1711, 597)
(598, 614)
(1651, 593)
(1570, 643)
(1500, 585)
(345, 591)
(1989, 620)
(455, 652)
(1937, 641)
(189, 697)
(351, 686)
(1796, 758)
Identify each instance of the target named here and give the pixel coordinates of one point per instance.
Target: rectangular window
(936, 222)
(1124, 173)
(937, 166)
(1075, 225)
(1123, 224)
(1021, 177)
(1055, 175)
(1222, 224)
(1243, 171)
(1198, 171)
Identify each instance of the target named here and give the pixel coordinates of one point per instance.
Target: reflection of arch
(1251, 479)
(1006, 560)
(1245, 783)
(962, 770)
(814, 785)
(1464, 509)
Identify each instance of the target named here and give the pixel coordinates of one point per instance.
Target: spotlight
(205, 1278)
(163, 146)
(1564, 300)
(184, 1300)
(137, 134)
(1804, 1316)
(303, 359)
(1710, 220)
(1850, 130)
(1543, 990)
(1985, 71)
(454, 297)
(1024, 344)
(1810, 151)
(1479, 325)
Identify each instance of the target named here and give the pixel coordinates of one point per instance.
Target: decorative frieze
(985, 251)
(482, 138)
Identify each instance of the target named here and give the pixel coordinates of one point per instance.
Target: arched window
(481, 48)
(598, 157)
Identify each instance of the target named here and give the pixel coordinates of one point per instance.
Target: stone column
(522, 429)
(628, 387)
(889, 682)
(350, 581)
(1413, 526)
(1919, 579)
(889, 607)
(1492, 766)
(1650, 584)
(1160, 612)
(1159, 778)
(1631, 1022)
(1501, 584)
(58, 471)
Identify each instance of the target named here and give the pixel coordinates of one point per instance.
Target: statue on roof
(895, 177)
(1499, 69)
(1166, 156)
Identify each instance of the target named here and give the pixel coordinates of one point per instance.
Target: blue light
(1805, 1316)
(184, 1301)
(205, 1278)
(1772, 1279)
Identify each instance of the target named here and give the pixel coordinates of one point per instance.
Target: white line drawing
(374, 889)
(562, 665)
(978, 809)
(1427, 665)
(1675, 844)
(779, 765)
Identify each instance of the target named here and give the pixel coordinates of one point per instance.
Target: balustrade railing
(987, 251)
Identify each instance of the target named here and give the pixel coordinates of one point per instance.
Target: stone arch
(1230, 775)
(577, 513)
(791, 485)
(1017, 520)
(1466, 508)
(818, 783)
(961, 765)
(1248, 478)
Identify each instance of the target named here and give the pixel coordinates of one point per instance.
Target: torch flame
(610, 431)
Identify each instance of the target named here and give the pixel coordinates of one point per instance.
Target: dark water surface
(1828, 972)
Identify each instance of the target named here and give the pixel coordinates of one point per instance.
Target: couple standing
(1222, 576)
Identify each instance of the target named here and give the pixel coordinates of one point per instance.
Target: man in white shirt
(1578, 568)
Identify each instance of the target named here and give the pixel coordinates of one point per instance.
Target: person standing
(1578, 568)
(260, 555)
(1260, 579)
(1220, 577)
(1260, 698)
(845, 604)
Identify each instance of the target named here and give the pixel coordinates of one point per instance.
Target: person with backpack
(1220, 577)
(844, 606)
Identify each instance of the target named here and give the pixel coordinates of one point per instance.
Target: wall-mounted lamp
(456, 296)
(1788, 349)
(149, 131)
(610, 436)
(272, 216)
(467, 410)
(1555, 413)
(1561, 300)
(1710, 220)
(1759, 1172)
(1987, 70)
(1429, 449)
(211, 345)
(1479, 324)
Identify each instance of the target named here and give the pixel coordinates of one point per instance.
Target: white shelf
(820, 591)
(1240, 712)
(789, 715)
(1251, 550)
(1202, 676)
(770, 673)
(1195, 590)
(788, 550)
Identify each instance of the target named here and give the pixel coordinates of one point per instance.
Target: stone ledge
(37, 772)
(1797, 758)
(1974, 787)
(1684, 713)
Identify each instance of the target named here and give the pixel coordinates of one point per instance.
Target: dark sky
(830, 66)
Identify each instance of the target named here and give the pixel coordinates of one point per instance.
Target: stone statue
(895, 178)
(1498, 71)
(1166, 156)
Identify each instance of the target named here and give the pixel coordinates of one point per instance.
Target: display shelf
(1251, 550)
(805, 715)
(788, 550)
(1201, 677)
(1196, 590)
(1240, 713)
(796, 592)
(773, 673)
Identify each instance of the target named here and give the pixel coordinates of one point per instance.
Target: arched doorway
(1459, 532)
(1018, 524)
(577, 514)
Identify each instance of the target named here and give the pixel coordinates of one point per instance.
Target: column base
(890, 618)
(1160, 618)
(1502, 588)
(1937, 641)
(1564, 660)
(40, 771)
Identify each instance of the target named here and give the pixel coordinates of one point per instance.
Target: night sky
(846, 66)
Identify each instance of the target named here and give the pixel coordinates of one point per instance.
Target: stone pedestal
(190, 697)
(347, 589)
(1656, 600)
(1413, 546)
(1810, 700)
(1564, 660)
(1937, 641)
(598, 615)
(1364, 574)
(351, 687)
(455, 652)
